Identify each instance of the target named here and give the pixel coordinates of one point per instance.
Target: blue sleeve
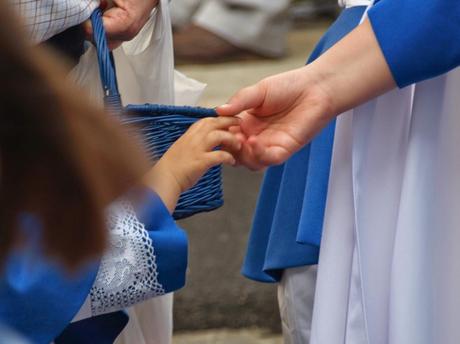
(420, 39)
(38, 298)
(168, 259)
(170, 242)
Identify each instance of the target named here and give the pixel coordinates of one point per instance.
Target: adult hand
(282, 113)
(123, 19)
(279, 115)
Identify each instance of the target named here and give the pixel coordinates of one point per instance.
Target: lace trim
(128, 271)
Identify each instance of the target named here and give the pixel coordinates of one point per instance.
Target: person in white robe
(388, 269)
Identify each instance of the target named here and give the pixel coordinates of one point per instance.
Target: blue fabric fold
(38, 298)
(102, 329)
(170, 242)
(287, 226)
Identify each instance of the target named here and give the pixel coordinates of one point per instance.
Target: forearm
(352, 72)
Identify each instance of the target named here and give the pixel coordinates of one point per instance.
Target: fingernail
(223, 107)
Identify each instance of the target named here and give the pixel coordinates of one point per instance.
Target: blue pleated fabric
(289, 217)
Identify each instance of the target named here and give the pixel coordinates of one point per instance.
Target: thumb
(248, 98)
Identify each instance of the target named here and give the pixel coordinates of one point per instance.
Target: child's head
(61, 158)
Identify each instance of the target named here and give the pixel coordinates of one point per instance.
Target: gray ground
(217, 296)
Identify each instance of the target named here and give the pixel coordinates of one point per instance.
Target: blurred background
(229, 44)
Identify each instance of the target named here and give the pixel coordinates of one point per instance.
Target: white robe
(388, 269)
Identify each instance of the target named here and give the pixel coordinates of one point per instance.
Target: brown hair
(61, 158)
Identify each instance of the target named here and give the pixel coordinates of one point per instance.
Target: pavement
(216, 295)
(245, 336)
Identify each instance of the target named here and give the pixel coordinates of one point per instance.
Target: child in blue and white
(147, 252)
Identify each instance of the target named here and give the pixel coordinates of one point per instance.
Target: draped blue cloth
(102, 329)
(420, 40)
(288, 222)
(38, 299)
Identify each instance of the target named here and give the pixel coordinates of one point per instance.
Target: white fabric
(145, 71)
(295, 297)
(154, 315)
(352, 3)
(46, 18)
(388, 270)
(128, 271)
(145, 68)
(182, 11)
(256, 25)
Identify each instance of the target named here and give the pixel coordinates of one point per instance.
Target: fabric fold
(287, 226)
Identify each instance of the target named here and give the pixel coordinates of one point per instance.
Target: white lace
(128, 271)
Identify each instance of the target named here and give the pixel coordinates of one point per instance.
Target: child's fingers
(220, 157)
(215, 123)
(226, 122)
(236, 130)
(247, 158)
(222, 138)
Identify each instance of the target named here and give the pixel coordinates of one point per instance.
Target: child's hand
(191, 156)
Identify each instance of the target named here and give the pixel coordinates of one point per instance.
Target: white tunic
(388, 269)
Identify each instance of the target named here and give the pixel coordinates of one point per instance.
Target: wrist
(342, 72)
(162, 180)
(319, 92)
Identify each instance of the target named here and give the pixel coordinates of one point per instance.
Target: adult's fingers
(248, 98)
(119, 25)
(245, 157)
(113, 44)
(267, 155)
(88, 30)
(236, 130)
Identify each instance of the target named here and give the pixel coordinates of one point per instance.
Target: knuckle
(213, 136)
(221, 156)
(196, 126)
(208, 121)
